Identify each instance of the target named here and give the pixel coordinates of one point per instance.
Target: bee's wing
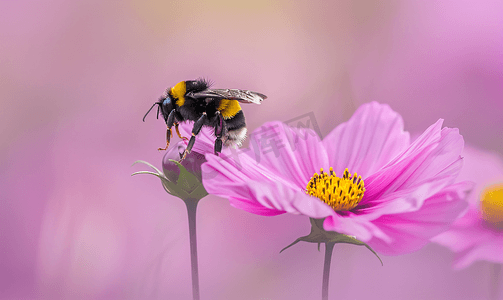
(244, 96)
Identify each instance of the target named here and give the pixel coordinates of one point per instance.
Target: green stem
(326, 270)
(495, 278)
(191, 211)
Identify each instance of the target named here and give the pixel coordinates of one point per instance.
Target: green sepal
(187, 186)
(319, 235)
(190, 183)
(174, 189)
(199, 192)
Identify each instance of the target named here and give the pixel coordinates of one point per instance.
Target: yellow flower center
(491, 205)
(340, 193)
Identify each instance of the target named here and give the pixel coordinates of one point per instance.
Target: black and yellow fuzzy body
(220, 109)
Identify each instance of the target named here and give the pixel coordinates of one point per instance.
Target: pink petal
(252, 205)
(483, 167)
(489, 250)
(360, 228)
(369, 140)
(472, 239)
(469, 235)
(464, 233)
(222, 177)
(258, 190)
(282, 159)
(430, 163)
(219, 170)
(278, 196)
(294, 153)
(412, 230)
(205, 140)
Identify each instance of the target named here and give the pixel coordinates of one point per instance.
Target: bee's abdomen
(238, 121)
(229, 108)
(236, 130)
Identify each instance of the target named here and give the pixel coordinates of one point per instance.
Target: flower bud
(192, 162)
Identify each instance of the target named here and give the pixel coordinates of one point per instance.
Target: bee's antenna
(157, 103)
(158, 108)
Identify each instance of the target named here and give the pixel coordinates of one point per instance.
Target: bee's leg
(195, 131)
(169, 122)
(219, 130)
(178, 132)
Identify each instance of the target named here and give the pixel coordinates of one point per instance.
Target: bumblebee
(193, 100)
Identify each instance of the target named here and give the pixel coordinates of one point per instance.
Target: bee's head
(164, 105)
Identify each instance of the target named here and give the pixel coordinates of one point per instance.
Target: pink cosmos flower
(400, 195)
(478, 234)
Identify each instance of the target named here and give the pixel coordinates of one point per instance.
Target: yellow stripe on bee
(178, 92)
(228, 108)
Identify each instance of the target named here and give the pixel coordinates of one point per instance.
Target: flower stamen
(491, 205)
(341, 194)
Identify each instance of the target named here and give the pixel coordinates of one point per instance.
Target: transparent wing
(244, 96)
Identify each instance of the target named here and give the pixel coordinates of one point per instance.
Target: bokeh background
(76, 78)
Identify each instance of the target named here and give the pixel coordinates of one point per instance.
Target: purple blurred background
(76, 78)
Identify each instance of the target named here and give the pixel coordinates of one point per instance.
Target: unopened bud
(192, 162)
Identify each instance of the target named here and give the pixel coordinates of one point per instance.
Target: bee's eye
(166, 101)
